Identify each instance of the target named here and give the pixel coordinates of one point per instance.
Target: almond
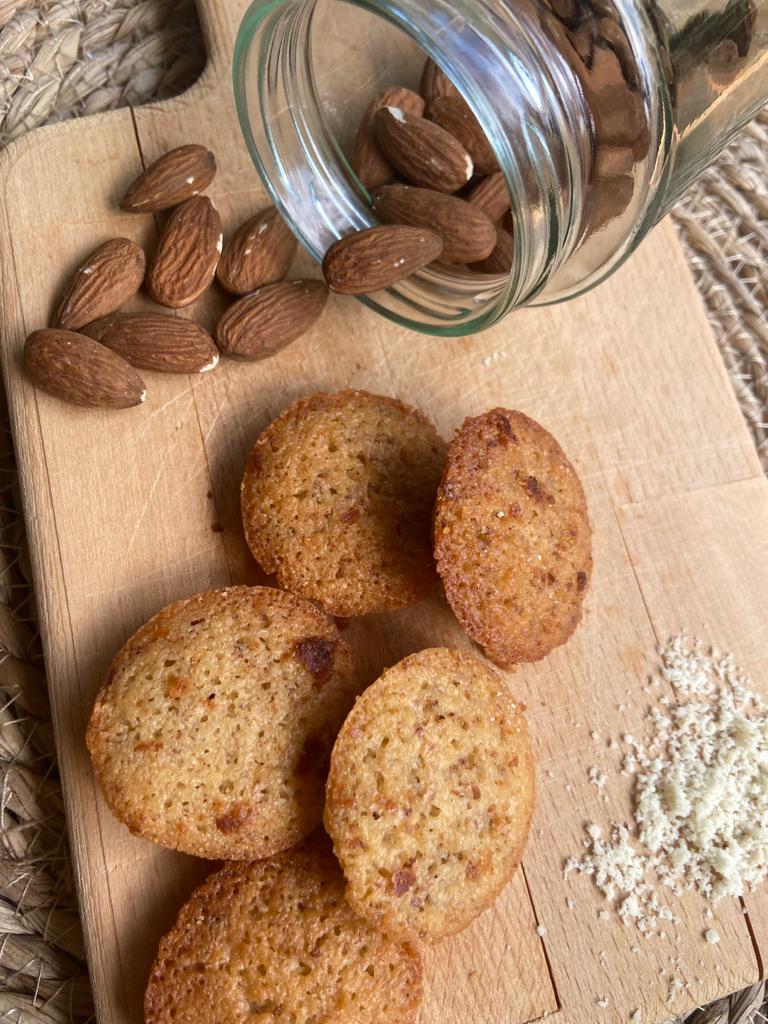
(435, 82)
(260, 252)
(176, 176)
(568, 11)
(455, 115)
(378, 258)
(187, 254)
(368, 162)
(102, 283)
(78, 369)
(582, 39)
(421, 151)
(491, 196)
(613, 161)
(259, 325)
(467, 233)
(501, 259)
(157, 341)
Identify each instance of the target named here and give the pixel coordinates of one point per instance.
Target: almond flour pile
(700, 793)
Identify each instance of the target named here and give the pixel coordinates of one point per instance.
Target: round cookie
(430, 794)
(212, 730)
(337, 501)
(512, 537)
(275, 940)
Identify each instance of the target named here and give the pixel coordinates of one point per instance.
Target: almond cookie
(212, 730)
(430, 794)
(337, 501)
(276, 940)
(513, 544)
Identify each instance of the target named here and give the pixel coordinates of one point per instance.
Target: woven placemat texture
(72, 57)
(723, 225)
(66, 58)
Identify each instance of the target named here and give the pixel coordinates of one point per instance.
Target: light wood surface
(120, 507)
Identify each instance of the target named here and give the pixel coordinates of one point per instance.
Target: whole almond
(368, 162)
(491, 196)
(261, 324)
(187, 254)
(455, 115)
(260, 252)
(435, 82)
(157, 341)
(80, 370)
(174, 177)
(468, 234)
(421, 151)
(501, 259)
(102, 283)
(378, 258)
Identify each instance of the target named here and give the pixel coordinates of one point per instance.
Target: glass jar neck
(510, 62)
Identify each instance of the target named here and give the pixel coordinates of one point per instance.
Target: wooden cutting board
(125, 510)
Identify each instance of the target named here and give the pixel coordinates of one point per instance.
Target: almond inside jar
(412, 148)
(598, 114)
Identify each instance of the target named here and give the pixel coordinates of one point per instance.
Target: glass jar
(600, 113)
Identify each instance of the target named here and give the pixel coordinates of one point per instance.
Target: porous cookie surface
(337, 501)
(430, 794)
(212, 730)
(513, 543)
(276, 941)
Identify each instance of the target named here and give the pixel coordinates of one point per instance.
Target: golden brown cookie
(430, 794)
(212, 730)
(513, 543)
(276, 941)
(337, 501)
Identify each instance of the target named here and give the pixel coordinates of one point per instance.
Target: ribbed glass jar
(600, 113)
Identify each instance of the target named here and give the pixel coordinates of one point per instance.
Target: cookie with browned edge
(212, 730)
(337, 501)
(430, 794)
(513, 544)
(275, 940)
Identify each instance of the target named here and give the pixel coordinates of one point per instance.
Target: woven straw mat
(74, 57)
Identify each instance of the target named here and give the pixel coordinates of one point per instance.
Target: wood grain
(716, 589)
(120, 508)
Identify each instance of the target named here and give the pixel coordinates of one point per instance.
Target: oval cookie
(276, 941)
(337, 501)
(512, 537)
(430, 794)
(212, 730)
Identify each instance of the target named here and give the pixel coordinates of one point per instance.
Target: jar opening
(305, 71)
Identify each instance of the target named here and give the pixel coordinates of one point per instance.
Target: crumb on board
(699, 794)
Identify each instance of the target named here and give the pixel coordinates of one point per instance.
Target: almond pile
(436, 188)
(434, 179)
(428, 164)
(91, 351)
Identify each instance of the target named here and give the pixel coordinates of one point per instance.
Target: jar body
(600, 113)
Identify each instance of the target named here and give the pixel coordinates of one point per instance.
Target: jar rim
(545, 186)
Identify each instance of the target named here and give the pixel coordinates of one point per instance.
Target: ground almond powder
(700, 793)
